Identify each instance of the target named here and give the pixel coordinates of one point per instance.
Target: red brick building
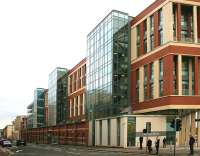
(165, 53)
(75, 131)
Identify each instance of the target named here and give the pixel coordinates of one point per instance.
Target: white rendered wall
(105, 132)
(113, 129)
(157, 124)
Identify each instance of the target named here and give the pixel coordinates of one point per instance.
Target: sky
(36, 36)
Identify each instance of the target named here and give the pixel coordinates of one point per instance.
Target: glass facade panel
(131, 131)
(52, 94)
(39, 108)
(62, 100)
(108, 66)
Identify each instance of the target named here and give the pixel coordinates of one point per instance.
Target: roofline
(77, 65)
(146, 11)
(105, 18)
(58, 68)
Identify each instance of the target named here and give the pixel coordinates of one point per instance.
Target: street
(69, 150)
(45, 150)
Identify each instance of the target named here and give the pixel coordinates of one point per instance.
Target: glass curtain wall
(39, 108)
(52, 94)
(107, 66)
(62, 100)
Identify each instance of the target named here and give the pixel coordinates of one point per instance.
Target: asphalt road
(68, 150)
(46, 150)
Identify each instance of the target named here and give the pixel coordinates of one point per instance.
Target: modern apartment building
(165, 53)
(77, 93)
(39, 108)
(68, 93)
(53, 95)
(36, 110)
(139, 73)
(108, 69)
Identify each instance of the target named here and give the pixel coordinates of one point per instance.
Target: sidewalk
(4, 152)
(7, 151)
(180, 151)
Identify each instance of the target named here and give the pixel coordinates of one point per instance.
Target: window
(151, 80)
(187, 33)
(145, 36)
(175, 74)
(188, 75)
(138, 40)
(174, 21)
(160, 30)
(148, 127)
(145, 81)
(151, 32)
(161, 77)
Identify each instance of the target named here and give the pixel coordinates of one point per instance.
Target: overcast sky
(38, 35)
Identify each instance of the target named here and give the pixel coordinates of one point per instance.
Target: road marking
(57, 149)
(72, 153)
(25, 154)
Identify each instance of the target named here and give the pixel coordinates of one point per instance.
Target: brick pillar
(168, 67)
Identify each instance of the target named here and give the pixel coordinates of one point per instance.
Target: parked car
(21, 142)
(1, 141)
(6, 143)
